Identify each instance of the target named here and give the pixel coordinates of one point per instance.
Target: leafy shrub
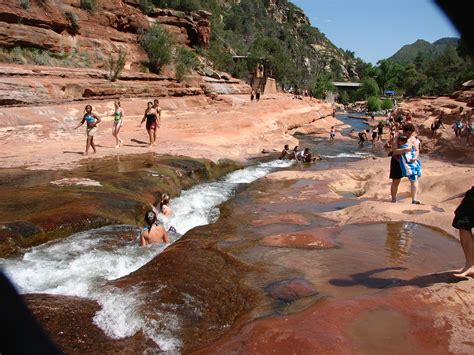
(322, 86)
(158, 44)
(387, 104)
(373, 104)
(344, 97)
(145, 6)
(116, 65)
(89, 5)
(186, 61)
(369, 88)
(25, 4)
(74, 21)
(183, 5)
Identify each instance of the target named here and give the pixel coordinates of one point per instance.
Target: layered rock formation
(64, 26)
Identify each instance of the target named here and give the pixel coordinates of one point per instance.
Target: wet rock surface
(68, 322)
(43, 210)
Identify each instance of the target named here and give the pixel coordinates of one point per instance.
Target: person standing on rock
(92, 121)
(396, 173)
(469, 128)
(151, 118)
(118, 122)
(411, 166)
(464, 222)
(153, 233)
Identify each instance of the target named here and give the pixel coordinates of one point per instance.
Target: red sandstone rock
(318, 238)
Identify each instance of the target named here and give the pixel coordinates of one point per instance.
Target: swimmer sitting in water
(307, 157)
(153, 233)
(285, 153)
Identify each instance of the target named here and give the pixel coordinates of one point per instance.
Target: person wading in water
(92, 121)
(153, 233)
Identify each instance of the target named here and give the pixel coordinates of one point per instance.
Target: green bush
(344, 98)
(146, 6)
(322, 86)
(116, 65)
(186, 61)
(158, 44)
(369, 88)
(25, 4)
(373, 104)
(74, 21)
(183, 5)
(89, 5)
(387, 104)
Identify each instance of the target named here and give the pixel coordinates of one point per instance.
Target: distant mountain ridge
(408, 53)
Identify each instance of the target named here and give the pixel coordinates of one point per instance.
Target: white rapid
(81, 264)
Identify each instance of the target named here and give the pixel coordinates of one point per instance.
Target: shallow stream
(82, 264)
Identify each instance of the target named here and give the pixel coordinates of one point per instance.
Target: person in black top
(464, 222)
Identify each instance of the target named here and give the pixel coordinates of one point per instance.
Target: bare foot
(469, 272)
(120, 142)
(456, 271)
(117, 146)
(85, 153)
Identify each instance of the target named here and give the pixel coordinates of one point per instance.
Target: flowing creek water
(82, 264)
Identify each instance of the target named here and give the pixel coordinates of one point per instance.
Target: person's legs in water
(467, 243)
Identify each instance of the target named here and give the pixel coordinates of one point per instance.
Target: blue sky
(376, 29)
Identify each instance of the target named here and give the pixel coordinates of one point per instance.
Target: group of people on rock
(463, 125)
(304, 155)
(152, 116)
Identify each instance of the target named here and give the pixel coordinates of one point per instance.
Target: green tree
(158, 44)
(387, 104)
(373, 104)
(369, 88)
(186, 61)
(344, 97)
(414, 83)
(386, 72)
(322, 86)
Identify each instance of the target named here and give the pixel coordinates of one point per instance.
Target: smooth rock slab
(318, 238)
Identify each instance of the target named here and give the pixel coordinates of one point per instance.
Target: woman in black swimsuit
(151, 118)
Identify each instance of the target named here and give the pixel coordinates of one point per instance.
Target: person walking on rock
(118, 123)
(151, 118)
(92, 120)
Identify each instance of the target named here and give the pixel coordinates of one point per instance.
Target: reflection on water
(398, 241)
